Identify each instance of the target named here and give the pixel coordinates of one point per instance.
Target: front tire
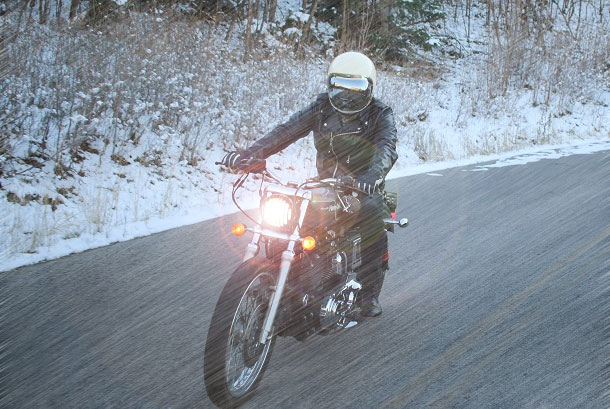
(234, 360)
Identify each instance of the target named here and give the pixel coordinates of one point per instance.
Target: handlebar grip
(248, 165)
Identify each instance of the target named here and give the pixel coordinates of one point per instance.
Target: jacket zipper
(332, 148)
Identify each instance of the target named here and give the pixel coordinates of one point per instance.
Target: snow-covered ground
(204, 205)
(161, 173)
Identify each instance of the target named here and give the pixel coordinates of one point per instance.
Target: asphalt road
(497, 297)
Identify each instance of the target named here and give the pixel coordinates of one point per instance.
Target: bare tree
(368, 16)
(43, 11)
(249, 29)
(468, 15)
(4, 64)
(234, 18)
(312, 12)
(73, 8)
(344, 26)
(272, 10)
(385, 13)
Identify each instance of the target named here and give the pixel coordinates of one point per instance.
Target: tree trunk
(344, 24)
(385, 13)
(234, 17)
(4, 65)
(43, 11)
(249, 29)
(256, 13)
(272, 9)
(488, 15)
(468, 14)
(579, 16)
(73, 7)
(308, 24)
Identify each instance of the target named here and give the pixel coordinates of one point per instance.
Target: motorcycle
(305, 284)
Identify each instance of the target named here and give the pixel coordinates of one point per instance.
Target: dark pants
(374, 244)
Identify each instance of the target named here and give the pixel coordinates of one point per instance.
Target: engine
(324, 291)
(323, 273)
(335, 309)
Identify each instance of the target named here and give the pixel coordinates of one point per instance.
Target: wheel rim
(245, 355)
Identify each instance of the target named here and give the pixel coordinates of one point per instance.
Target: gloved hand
(232, 160)
(367, 184)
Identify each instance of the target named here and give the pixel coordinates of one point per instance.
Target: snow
(299, 16)
(521, 157)
(203, 103)
(202, 208)
(292, 31)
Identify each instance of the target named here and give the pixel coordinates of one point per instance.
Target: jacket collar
(363, 116)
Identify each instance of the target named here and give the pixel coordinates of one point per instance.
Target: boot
(371, 308)
(371, 277)
(369, 305)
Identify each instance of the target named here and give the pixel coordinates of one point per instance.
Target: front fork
(285, 264)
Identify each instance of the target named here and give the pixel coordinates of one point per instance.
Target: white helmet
(351, 79)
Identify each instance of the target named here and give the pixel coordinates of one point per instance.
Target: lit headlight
(277, 212)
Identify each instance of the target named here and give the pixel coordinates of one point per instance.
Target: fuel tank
(325, 210)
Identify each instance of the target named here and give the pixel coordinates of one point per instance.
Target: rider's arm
(298, 126)
(384, 140)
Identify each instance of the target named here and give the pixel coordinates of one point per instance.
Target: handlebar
(255, 165)
(346, 182)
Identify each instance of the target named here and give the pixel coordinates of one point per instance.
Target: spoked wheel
(245, 354)
(235, 360)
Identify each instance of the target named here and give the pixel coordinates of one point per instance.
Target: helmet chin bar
(345, 109)
(348, 113)
(349, 94)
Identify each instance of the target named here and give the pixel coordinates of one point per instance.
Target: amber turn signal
(309, 243)
(238, 229)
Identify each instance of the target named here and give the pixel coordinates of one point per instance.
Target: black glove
(367, 185)
(231, 160)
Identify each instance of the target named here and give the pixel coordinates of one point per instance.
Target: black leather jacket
(362, 145)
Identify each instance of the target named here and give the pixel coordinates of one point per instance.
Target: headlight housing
(278, 213)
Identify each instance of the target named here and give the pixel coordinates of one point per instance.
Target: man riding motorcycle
(355, 137)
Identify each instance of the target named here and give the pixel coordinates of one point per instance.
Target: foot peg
(401, 223)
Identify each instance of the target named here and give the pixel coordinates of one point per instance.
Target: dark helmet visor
(349, 95)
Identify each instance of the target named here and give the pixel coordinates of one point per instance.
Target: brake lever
(346, 181)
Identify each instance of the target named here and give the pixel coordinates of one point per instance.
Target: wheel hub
(252, 348)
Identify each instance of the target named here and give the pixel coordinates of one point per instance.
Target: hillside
(110, 131)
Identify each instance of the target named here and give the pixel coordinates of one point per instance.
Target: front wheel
(235, 360)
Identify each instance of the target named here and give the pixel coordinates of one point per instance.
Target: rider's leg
(374, 245)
